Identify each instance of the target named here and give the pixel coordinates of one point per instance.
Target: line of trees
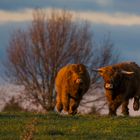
(35, 54)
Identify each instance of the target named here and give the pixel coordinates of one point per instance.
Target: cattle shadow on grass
(55, 133)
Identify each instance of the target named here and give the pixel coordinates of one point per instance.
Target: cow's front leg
(113, 105)
(125, 109)
(65, 103)
(112, 110)
(73, 106)
(58, 106)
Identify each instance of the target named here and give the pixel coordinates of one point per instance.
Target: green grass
(51, 126)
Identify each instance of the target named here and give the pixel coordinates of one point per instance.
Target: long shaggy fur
(71, 83)
(125, 86)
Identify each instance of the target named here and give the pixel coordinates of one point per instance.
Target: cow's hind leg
(125, 109)
(136, 103)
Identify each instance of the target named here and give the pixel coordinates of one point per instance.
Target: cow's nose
(79, 81)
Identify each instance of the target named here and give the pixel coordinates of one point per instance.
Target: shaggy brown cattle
(122, 82)
(71, 84)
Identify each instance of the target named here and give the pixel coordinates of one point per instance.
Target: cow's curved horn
(127, 72)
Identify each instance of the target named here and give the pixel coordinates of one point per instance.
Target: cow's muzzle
(79, 81)
(108, 86)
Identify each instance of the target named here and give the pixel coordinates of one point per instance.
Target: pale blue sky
(120, 18)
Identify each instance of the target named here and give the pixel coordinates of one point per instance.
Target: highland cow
(72, 82)
(122, 82)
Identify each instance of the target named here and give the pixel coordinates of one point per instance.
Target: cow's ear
(100, 71)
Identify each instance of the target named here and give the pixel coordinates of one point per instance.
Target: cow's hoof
(73, 112)
(56, 110)
(125, 113)
(64, 112)
(112, 114)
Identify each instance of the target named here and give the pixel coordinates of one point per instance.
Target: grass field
(51, 126)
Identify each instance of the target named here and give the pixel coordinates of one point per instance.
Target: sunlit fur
(126, 86)
(71, 83)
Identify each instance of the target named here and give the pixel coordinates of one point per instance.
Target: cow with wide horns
(121, 83)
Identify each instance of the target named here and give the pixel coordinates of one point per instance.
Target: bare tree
(104, 54)
(35, 55)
